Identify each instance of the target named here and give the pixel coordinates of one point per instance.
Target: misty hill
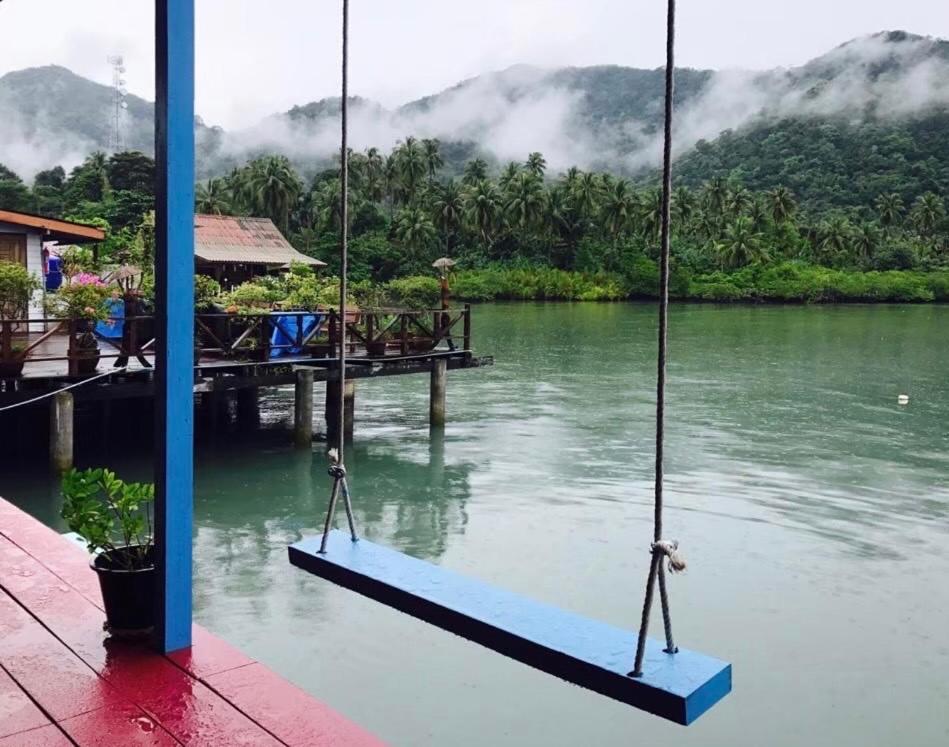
(870, 112)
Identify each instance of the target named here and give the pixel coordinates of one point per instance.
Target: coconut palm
(508, 174)
(834, 237)
(482, 210)
(448, 211)
(536, 164)
(618, 210)
(739, 202)
(212, 197)
(782, 204)
(433, 157)
(586, 194)
(927, 212)
(375, 186)
(866, 240)
(412, 166)
(741, 245)
(716, 194)
(414, 228)
(524, 203)
(683, 206)
(476, 170)
(273, 187)
(890, 209)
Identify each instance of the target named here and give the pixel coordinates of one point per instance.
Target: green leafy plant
(111, 515)
(17, 284)
(206, 290)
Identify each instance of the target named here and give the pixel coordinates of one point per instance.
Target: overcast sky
(256, 57)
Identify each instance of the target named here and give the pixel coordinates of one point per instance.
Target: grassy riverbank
(788, 282)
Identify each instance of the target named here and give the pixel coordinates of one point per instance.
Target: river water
(812, 508)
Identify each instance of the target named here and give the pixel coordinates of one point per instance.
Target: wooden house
(233, 249)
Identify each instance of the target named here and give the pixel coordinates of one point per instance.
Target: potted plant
(83, 301)
(17, 285)
(114, 518)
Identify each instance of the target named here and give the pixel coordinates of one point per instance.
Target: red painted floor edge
(293, 716)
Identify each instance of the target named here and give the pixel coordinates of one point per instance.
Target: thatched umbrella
(443, 264)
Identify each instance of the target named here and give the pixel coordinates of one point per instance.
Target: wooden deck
(63, 682)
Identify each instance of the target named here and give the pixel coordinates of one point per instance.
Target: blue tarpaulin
(285, 334)
(111, 328)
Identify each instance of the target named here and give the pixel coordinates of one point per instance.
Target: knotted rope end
(670, 548)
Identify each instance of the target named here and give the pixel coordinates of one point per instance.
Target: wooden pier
(64, 682)
(238, 354)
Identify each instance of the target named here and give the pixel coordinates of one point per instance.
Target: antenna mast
(119, 104)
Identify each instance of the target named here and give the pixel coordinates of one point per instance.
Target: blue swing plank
(588, 653)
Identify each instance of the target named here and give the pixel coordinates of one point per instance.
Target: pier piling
(332, 408)
(436, 410)
(61, 431)
(303, 409)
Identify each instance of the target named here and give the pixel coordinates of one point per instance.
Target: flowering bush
(83, 297)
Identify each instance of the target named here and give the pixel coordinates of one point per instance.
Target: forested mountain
(868, 117)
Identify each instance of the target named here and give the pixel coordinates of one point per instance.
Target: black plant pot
(376, 348)
(11, 369)
(128, 596)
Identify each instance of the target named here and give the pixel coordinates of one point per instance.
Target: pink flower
(89, 311)
(86, 278)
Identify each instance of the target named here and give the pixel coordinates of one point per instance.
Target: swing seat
(588, 653)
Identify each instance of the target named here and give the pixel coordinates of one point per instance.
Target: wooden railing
(253, 337)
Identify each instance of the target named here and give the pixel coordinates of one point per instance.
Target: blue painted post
(174, 312)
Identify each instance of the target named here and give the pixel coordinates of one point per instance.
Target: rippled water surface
(813, 509)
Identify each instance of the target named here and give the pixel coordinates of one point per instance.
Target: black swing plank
(586, 652)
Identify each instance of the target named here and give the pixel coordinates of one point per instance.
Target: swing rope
(662, 549)
(337, 468)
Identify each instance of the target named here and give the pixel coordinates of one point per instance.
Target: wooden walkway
(63, 682)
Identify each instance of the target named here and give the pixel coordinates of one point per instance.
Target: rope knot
(670, 548)
(336, 470)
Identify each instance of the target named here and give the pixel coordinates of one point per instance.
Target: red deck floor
(63, 682)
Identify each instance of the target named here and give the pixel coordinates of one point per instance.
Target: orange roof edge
(60, 229)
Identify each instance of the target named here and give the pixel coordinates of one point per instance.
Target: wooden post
(436, 408)
(303, 409)
(248, 410)
(467, 327)
(61, 432)
(332, 410)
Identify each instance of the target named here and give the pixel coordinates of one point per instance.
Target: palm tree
(834, 238)
(375, 175)
(508, 174)
(683, 206)
(650, 214)
(433, 157)
(411, 164)
(212, 198)
(782, 204)
(476, 170)
(890, 209)
(927, 212)
(866, 241)
(536, 164)
(741, 245)
(482, 210)
(716, 195)
(618, 209)
(524, 205)
(274, 187)
(448, 211)
(414, 229)
(740, 202)
(586, 194)
(758, 214)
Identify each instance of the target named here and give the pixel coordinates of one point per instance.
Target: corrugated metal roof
(225, 238)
